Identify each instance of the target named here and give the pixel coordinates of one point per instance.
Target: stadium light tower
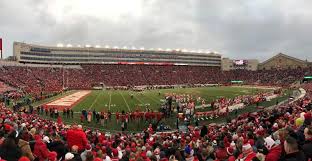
(141, 48)
(168, 49)
(115, 47)
(87, 45)
(69, 45)
(60, 45)
(97, 46)
(160, 49)
(125, 47)
(106, 46)
(184, 50)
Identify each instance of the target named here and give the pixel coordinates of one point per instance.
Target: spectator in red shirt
(40, 150)
(76, 136)
(274, 150)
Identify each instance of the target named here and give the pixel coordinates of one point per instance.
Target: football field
(118, 100)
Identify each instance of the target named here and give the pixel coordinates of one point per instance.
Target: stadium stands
(4, 88)
(35, 80)
(32, 80)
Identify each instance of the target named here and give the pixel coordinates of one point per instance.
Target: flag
(1, 47)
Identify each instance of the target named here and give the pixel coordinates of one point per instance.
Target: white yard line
(138, 99)
(94, 101)
(125, 101)
(110, 100)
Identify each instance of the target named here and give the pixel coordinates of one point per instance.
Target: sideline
(301, 95)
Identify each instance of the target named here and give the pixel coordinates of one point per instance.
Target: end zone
(67, 101)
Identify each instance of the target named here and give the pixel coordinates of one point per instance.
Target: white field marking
(69, 100)
(257, 87)
(138, 99)
(110, 100)
(95, 100)
(125, 101)
(63, 95)
(245, 91)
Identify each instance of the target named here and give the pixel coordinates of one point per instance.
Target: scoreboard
(240, 62)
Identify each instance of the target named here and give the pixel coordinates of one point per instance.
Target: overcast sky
(236, 29)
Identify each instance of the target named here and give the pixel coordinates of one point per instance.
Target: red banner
(144, 63)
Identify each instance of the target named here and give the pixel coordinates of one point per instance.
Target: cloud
(237, 29)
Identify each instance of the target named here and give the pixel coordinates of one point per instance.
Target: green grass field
(121, 100)
(118, 100)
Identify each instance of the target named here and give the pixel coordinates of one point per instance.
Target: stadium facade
(39, 54)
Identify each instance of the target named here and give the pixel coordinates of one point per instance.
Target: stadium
(70, 102)
(111, 89)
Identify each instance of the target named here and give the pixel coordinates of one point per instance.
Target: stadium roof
(124, 48)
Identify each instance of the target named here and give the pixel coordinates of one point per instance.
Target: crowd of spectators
(4, 88)
(42, 82)
(39, 80)
(32, 80)
(283, 133)
(271, 77)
